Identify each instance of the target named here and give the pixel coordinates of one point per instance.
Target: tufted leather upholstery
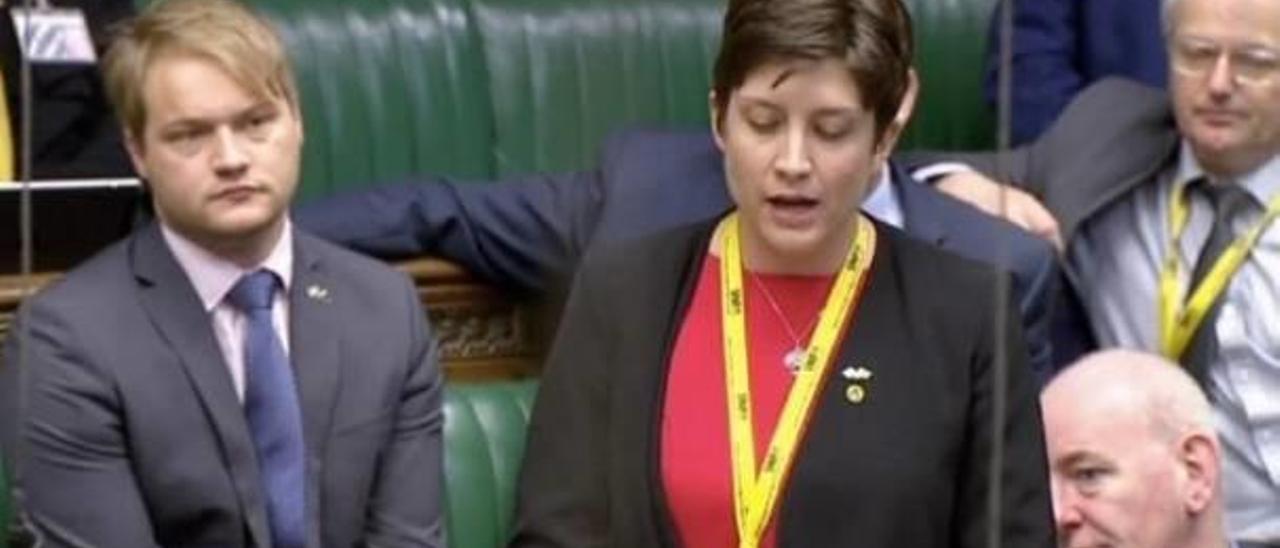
(563, 73)
(950, 49)
(484, 441)
(388, 88)
(483, 88)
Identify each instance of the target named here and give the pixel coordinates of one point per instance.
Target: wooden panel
(484, 334)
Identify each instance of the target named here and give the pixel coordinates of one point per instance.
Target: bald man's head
(1131, 382)
(1132, 452)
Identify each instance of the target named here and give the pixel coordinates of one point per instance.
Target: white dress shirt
(213, 277)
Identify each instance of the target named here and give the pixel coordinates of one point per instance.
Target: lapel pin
(318, 293)
(855, 393)
(856, 374)
(858, 377)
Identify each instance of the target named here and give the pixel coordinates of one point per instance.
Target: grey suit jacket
(1115, 136)
(121, 420)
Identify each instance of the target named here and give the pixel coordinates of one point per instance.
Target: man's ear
(716, 122)
(893, 130)
(300, 126)
(133, 145)
(1198, 457)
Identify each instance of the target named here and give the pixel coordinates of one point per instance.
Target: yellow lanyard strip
(1180, 318)
(754, 497)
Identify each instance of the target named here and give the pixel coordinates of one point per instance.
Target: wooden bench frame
(484, 333)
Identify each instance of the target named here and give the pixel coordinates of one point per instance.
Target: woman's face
(800, 152)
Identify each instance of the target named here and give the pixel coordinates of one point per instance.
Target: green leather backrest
(484, 88)
(564, 73)
(388, 88)
(484, 434)
(950, 47)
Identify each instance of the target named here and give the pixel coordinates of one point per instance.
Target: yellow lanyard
(1179, 317)
(754, 497)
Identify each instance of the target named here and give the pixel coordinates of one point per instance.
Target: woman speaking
(792, 373)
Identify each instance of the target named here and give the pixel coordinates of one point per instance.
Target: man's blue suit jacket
(529, 234)
(1062, 46)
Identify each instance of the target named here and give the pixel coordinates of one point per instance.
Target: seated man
(1166, 203)
(1062, 46)
(528, 234)
(1133, 457)
(219, 378)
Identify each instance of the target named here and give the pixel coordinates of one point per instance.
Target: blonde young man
(219, 378)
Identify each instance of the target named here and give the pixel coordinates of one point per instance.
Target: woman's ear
(716, 122)
(893, 130)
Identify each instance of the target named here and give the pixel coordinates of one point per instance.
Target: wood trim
(484, 334)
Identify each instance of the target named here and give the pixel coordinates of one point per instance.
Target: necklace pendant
(794, 359)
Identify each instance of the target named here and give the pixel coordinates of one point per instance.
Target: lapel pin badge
(318, 293)
(859, 378)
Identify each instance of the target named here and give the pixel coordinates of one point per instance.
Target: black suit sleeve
(1025, 514)
(562, 492)
(60, 422)
(521, 234)
(1038, 295)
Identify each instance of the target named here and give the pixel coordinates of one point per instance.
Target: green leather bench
(484, 88)
(484, 442)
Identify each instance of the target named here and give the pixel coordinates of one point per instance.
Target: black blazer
(906, 468)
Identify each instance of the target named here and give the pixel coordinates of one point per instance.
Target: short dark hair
(873, 37)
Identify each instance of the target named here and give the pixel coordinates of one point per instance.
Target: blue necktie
(272, 411)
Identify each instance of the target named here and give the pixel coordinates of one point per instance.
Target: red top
(697, 472)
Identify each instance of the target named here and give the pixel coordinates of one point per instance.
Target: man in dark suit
(1062, 46)
(1166, 203)
(219, 378)
(525, 234)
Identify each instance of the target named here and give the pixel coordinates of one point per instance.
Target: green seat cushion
(484, 434)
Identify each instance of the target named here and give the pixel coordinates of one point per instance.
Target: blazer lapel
(920, 215)
(315, 353)
(1097, 171)
(673, 273)
(178, 316)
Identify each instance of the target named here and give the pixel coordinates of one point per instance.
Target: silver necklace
(795, 357)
